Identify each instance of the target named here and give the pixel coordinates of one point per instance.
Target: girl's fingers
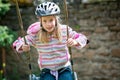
(26, 48)
(71, 42)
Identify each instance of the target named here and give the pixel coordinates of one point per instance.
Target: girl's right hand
(25, 48)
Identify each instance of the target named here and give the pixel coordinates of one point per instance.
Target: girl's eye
(51, 20)
(44, 21)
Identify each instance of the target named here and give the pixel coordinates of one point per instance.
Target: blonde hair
(44, 35)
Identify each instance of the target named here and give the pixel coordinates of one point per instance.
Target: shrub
(4, 7)
(7, 36)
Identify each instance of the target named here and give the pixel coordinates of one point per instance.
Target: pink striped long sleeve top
(53, 55)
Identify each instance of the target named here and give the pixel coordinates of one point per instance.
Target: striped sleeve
(20, 41)
(80, 38)
(33, 29)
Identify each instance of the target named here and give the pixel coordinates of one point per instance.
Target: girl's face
(48, 23)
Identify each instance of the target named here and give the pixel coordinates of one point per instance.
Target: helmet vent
(49, 5)
(42, 6)
(51, 9)
(45, 7)
(53, 4)
(56, 9)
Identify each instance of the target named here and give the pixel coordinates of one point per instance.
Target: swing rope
(66, 19)
(23, 32)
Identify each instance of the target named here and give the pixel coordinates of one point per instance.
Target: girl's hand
(25, 48)
(72, 42)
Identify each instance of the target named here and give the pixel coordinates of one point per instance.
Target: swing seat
(75, 76)
(33, 77)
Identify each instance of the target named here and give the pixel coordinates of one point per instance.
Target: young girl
(49, 37)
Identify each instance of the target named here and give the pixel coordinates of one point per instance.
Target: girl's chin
(49, 31)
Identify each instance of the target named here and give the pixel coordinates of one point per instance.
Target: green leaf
(7, 36)
(4, 7)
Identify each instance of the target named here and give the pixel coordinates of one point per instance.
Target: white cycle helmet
(47, 8)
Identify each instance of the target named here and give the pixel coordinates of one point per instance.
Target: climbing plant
(4, 7)
(7, 36)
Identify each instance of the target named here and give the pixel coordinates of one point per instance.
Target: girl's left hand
(71, 42)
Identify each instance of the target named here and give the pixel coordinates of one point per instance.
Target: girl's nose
(48, 23)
